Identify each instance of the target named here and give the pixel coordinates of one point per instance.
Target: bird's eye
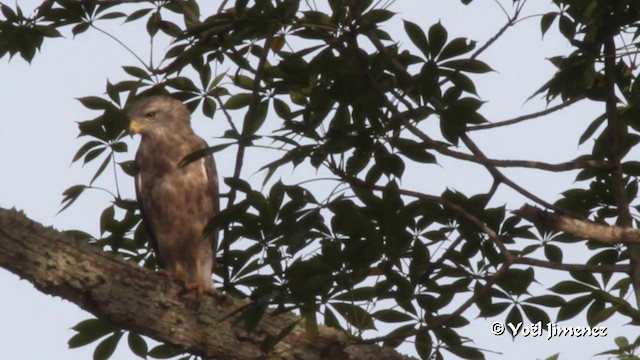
(150, 115)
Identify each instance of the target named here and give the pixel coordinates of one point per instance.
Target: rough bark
(140, 300)
(586, 229)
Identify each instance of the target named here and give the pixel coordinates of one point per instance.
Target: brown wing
(212, 178)
(145, 220)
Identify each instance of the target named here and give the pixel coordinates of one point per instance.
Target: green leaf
(424, 344)
(255, 118)
(392, 316)
(105, 349)
(397, 336)
(570, 288)
(238, 184)
(553, 253)
(631, 168)
(137, 14)
(70, 195)
(376, 16)
(8, 13)
(437, 39)
(95, 103)
(137, 72)
(455, 48)
(467, 65)
(546, 21)
(165, 351)
(101, 169)
(182, 83)
(621, 342)
(89, 331)
(517, 281)
(113, 15)
(535, 314)
(170, 29)
(591, 129)
(238, 101)
(567, 27)
(417, 37)
(137, 345)
(546, 300)
(153, 23)
(85, 148)
(355, 315)
(209, 107)
(574, 307)
(600, 314)
(80, 28)
(107, 219)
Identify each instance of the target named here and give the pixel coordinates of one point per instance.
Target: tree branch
(518, 119)
(595, 268)
(586, 229)
(616, 134)
(137, 299)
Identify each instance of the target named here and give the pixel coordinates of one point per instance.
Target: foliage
(329, 90)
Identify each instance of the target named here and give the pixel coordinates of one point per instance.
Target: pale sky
(39, 140)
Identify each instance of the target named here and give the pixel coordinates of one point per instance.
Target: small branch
(586, 229)
(494, 38)
(525, 117)
(227, 116)
(512, 20)
(497, 175)
(128, 49)
(600, 268)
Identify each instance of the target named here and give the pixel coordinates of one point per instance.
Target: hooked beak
(137, 126)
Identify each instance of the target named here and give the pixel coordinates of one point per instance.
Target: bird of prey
(176, 201)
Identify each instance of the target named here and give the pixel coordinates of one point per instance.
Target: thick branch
(581, 228)
(137, 299)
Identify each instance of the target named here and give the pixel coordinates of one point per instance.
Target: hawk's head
(158, 112)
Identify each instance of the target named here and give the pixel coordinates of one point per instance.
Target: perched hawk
(176, 202)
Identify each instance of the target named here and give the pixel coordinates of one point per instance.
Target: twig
(599, 268)
(525, 117)
(149, 68)
(494, 38)
(503, 178)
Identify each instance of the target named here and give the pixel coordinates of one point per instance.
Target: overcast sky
(38, 141)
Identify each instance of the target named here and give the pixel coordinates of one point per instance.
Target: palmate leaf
(417, 36)
(89, 331)
(70, 195)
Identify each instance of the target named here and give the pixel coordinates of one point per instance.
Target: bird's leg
(165, 273)
(199, 288)
(177, 276)
(168, 276)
